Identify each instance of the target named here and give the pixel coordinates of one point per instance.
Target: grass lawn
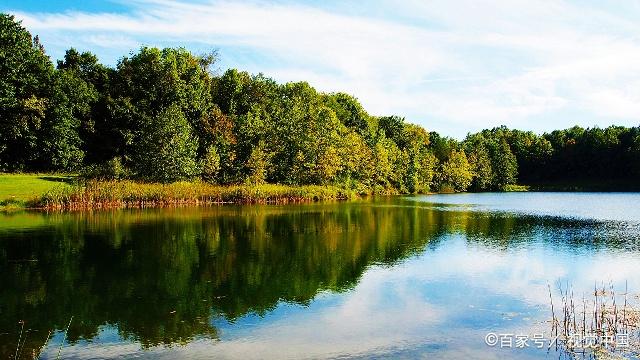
(17, 189)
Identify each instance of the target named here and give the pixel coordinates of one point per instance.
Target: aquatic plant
(607, 323)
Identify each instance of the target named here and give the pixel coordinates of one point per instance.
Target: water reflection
(383, 277)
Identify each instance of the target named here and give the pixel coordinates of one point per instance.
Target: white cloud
(462, 65)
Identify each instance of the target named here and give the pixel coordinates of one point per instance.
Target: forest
(163, 115)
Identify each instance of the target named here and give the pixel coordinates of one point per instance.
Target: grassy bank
(47, 191)
(129, 194)
(19, 190)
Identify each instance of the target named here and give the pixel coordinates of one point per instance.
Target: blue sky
(451, 66)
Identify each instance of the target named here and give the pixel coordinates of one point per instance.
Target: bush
(446, 189)
(109, 170)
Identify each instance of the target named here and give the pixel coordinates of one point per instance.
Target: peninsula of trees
(162, 116)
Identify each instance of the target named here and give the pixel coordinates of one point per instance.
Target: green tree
(230, 92)
(26, 80)
(149, 82)
(218, 131)
(358, 162)
(166, 150)
(481, 167)
(426, 172)
(162, 113)
(351, 113)
(383, 162)
(393, 128)
(99, 134)
(258, 164)
(419, 165)
(455, 173)
(210, 164)
(324, 151)
(633, 152)
(292, 133)
(504, 165)
(60, 141)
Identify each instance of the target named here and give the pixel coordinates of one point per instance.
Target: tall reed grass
(600, 318)
(124, 194)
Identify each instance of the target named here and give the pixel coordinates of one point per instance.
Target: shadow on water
(159, 276)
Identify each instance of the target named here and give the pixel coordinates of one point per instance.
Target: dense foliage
(162, 115)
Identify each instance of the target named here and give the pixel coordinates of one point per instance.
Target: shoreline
(91, 195)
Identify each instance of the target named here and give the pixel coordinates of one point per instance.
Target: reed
(601, 316)
(36, 354)
(66, 332)
(19, 340)
(95, 194)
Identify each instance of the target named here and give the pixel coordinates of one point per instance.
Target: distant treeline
(163, 116)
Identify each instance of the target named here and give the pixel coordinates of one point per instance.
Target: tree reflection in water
(160, 276)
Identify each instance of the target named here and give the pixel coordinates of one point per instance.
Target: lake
(402, 277)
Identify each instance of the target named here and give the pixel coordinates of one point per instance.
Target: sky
(451, 66)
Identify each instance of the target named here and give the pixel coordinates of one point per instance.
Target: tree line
(163, 115)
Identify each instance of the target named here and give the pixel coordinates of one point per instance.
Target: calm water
(424, 276)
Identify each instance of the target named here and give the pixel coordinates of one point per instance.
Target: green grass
(17, 190)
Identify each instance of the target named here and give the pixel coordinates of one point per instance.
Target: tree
(257, 164)
(99, 134)
(218, 133)
(393, 128)
(26, 80)
(417, 179)
(635, 156)
(383, 155)
(455, 173)
(482, 169)
(504, 165)
(210, 164)
(357, 159)
(442, 146)
(70, 104)
(167, 148)
(425, 172)
(293, 132)
(351, 113)
(229, 92)
(151, 81)
(324, 151)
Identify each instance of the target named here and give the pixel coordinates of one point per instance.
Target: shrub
(110, 170)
